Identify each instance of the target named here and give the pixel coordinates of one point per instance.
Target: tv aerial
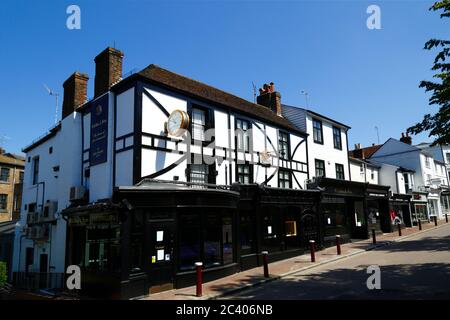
(56, 95)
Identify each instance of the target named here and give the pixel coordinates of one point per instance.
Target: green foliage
(439, 123)
(3, 274)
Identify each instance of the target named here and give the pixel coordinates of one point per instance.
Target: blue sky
(361, 77)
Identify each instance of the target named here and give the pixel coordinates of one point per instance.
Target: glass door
(160, 238)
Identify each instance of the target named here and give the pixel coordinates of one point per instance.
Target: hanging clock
(177, 123)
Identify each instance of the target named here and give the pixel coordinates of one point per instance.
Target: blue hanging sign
(98, 152)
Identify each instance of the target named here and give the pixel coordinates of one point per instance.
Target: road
(414, 268)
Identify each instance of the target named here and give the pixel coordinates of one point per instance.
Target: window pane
(227, 239)
(291, 228)
(3, 201)
(198, 124)
(4, 174)
(199, 173)
(189, 226)
(212, 241)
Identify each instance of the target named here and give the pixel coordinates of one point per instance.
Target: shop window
(211, 247)
(335, 218)
(102, 249)
(373, 218)
(247, 233)
(360, 219)
(420, 212)
(189, 241)
(271, 229)
(291, 228)
(136, 242)
(227, 239)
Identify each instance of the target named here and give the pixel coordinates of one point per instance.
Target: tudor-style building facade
(112, 190)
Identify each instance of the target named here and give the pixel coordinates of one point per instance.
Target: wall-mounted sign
(98, 152)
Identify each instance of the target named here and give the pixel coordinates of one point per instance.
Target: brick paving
(252, 277)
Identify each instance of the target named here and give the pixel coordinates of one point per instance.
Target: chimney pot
(270, 99)
(108, 70)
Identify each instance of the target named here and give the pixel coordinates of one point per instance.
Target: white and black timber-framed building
(109, 189)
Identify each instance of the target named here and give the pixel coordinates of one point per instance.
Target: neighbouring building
(11, 176)
(400, 181)
(159, 171)
(423, 175)
(441, 155)
(349, 206)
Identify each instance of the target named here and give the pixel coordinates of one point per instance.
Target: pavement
(252, 279)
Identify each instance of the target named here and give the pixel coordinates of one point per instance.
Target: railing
(148, 181)
(35, 281)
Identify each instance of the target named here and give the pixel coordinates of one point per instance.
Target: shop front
(151, 237)
(419, 207)
(280, 221)
(377, 201)
(445, 202)
(434, 203)
(400, 206)
(343, 209)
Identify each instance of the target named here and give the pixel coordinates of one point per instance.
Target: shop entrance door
(309, 229)
(161, 241)
(358, 219)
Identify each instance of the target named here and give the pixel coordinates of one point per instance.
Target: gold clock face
(177, 123)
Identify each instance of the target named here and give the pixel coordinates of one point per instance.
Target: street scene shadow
(397, 282)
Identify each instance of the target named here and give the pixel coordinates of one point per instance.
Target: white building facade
(429, 182)
(74, 210)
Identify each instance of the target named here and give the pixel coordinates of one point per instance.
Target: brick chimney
(269, 98)
(358, 152)
(75, 93)
(406, 138)
(108, 70)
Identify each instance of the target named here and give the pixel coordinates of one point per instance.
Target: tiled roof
(364, 153)
(12, 159)
(204, 91)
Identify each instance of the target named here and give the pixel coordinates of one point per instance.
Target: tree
(439, 123)
(2, 274)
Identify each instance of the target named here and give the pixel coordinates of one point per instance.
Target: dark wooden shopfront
(158, 233)
(280, 221)
(400, 204)
(343, 209)
(377, 202)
